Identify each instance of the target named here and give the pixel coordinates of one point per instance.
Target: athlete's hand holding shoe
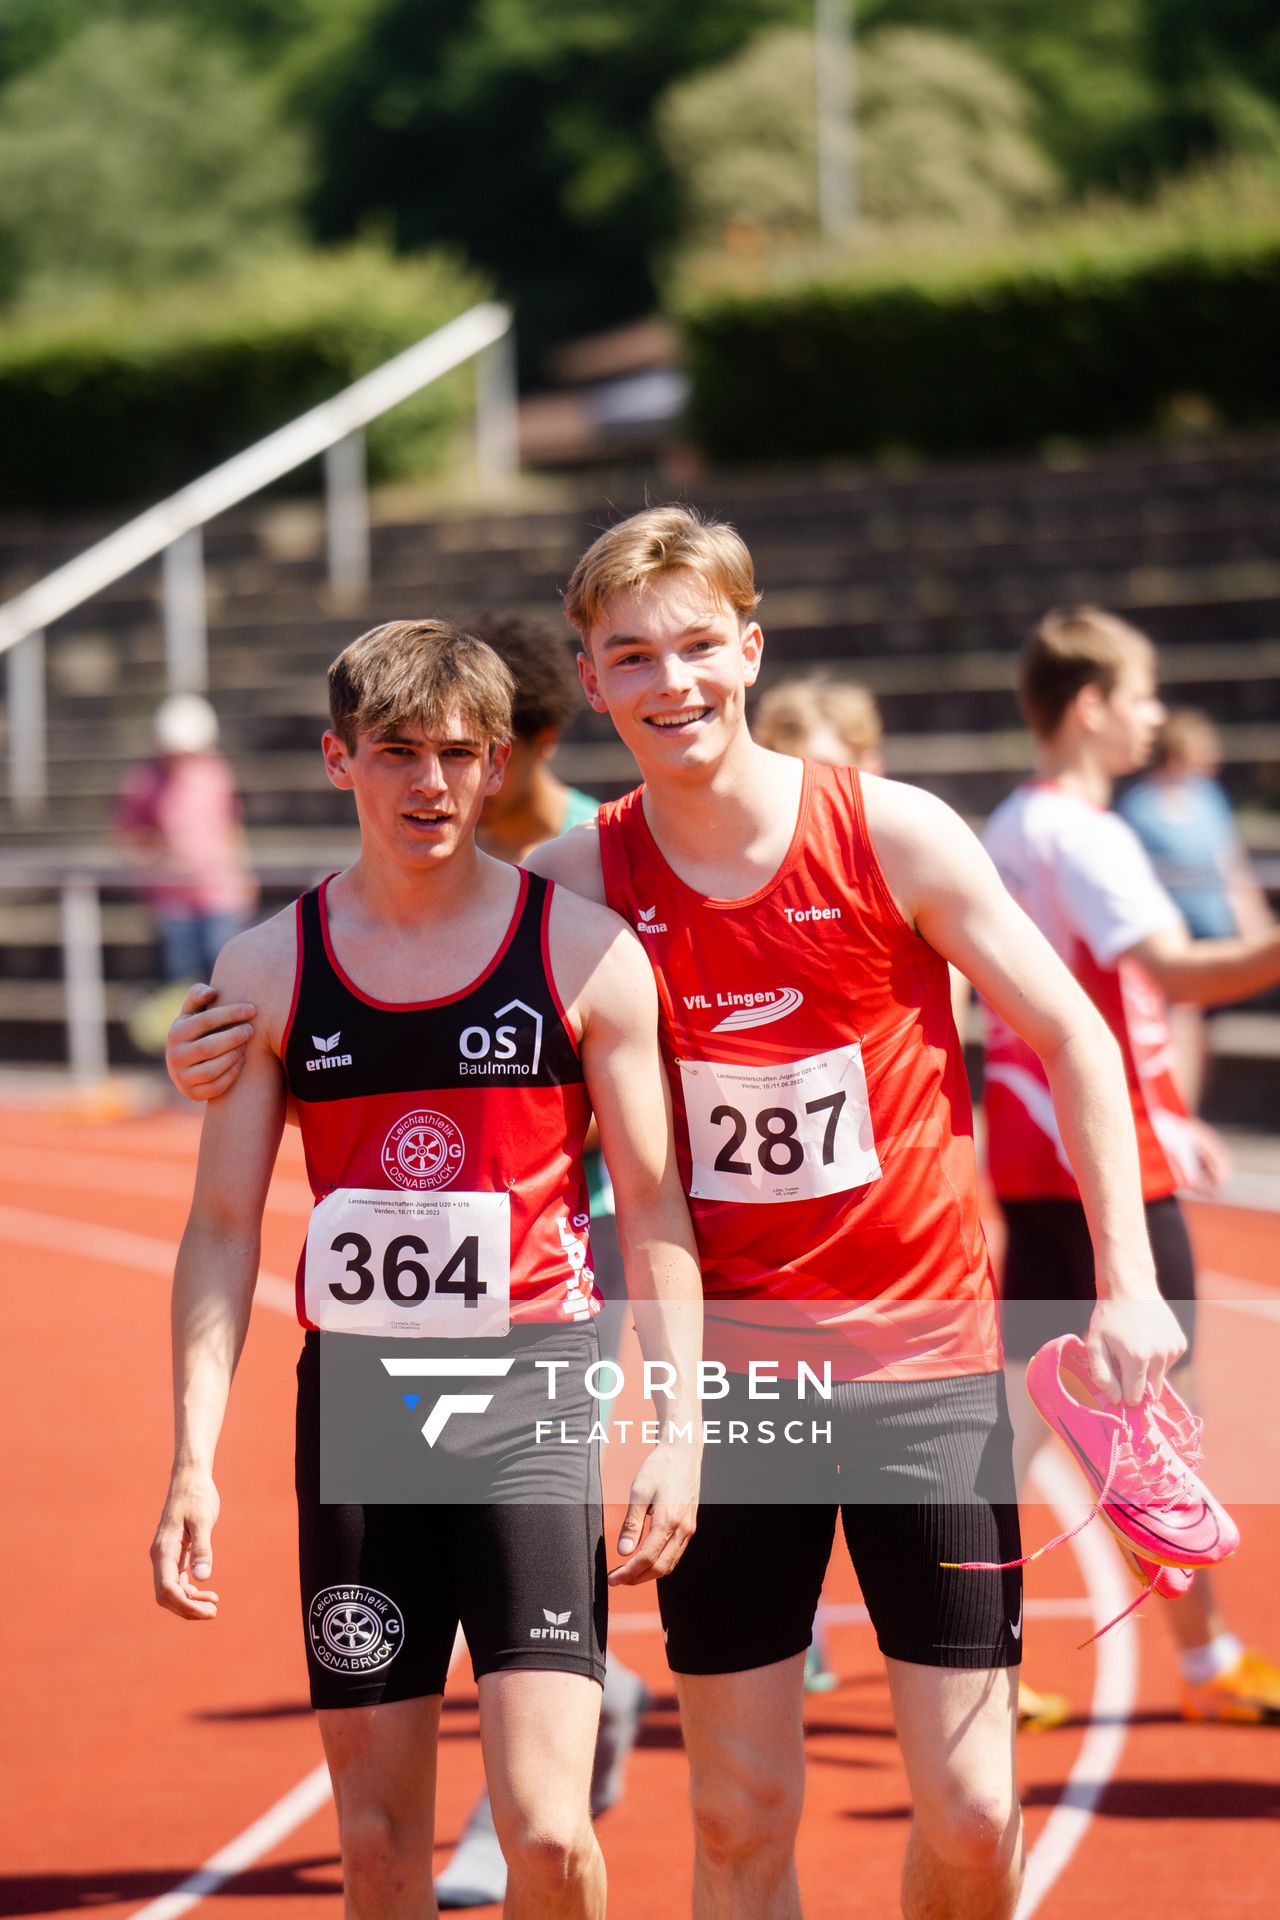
(1132, 1344)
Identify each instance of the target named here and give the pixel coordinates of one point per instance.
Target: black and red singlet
(443, 1143)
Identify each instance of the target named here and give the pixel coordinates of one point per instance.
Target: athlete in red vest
(445, 1024)
(798, 923)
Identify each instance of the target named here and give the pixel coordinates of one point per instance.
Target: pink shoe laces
(1143, 1440)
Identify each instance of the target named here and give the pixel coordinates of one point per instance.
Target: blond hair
(1186, 735)
(1073, 648)
(423, 673)
(790, 713)
(649, 546)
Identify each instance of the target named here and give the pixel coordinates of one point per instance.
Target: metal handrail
(173, 528)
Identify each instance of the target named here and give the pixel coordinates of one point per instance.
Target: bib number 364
(406, 1264)
(794, 1131)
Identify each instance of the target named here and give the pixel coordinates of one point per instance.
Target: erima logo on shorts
(354, 1629)
(424, 1150)
(557, 1627)
(756, 1009)
(328, 1054)
(646, 922)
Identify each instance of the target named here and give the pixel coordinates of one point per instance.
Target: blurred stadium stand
(920, 584)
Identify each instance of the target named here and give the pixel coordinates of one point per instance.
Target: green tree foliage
(524, 132)
(127, 162)
(1129, 88)
(942, 131)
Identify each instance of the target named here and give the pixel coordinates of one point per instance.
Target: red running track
(139, 1746)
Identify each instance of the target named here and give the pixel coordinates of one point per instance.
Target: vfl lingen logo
(423, 1151)
(776, 1007)
(354, 1629)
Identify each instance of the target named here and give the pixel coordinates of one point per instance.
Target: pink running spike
(1143, 1461)
(1148, 1492)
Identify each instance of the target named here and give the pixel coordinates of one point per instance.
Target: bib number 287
(794, 1131)
(409, 1264)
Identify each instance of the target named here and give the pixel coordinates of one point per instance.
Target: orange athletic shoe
(1037, 1711)
(1248, 1693)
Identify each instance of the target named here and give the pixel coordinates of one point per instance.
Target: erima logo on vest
(327, 1050)
(646, 922)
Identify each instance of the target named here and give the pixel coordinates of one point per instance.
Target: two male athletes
(798, 922)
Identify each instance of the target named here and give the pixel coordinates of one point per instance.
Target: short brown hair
(421, 672)
(540, 661)
(652, 544)
(1073, 648)
(789, 712)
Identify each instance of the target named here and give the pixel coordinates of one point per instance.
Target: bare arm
(572, 861)
(1210, 972)
(214, 1279)
(616, 1003)
(948, 888)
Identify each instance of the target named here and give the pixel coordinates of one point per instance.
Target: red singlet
(823, 1120)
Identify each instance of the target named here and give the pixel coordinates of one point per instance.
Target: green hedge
(119, 405)
(1003, 356)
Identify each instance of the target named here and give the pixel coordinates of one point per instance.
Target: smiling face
(418, 795)
(671, 667)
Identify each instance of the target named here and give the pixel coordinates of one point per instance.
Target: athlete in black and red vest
(446, 1024)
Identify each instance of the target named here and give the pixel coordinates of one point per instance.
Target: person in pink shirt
(179, 817)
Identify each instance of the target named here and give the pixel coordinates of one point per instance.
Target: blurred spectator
(179, 819)
(1183, 819)
(821, 719)
(532, 805)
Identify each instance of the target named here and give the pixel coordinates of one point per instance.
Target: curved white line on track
(1115, 1686)
(1115, 1683)
(138, 1251)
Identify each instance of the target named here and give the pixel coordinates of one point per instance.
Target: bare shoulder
(596, 959)
(922, 844)
(900, 811)
(572, 861)
(259, 965)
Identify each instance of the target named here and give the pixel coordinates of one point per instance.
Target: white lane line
(1115, 1687)
(276, 1824)
(140, 1252)
(153, 1179)
(1238, 1295)
(1115, 1684)
(852, 1613)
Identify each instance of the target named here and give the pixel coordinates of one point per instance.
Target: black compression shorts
(384, 1588)
(1049, 1285)
(929, 1463)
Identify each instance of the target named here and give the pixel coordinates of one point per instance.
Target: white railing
(335, 429)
